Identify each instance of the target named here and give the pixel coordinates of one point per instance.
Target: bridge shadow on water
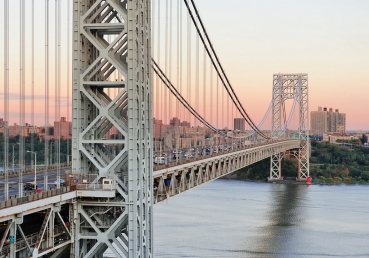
(278, 236)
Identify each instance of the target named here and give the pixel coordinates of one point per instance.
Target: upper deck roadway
(169, 180)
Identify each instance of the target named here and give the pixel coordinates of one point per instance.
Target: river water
(230, 218)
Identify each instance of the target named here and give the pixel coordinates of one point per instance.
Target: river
(230, 218)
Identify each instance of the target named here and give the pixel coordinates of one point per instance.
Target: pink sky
(328, 40)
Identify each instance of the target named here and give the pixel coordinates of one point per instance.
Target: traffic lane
(13, 185)
(31, 177)
(14, 190)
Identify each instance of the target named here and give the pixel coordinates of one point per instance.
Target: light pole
(13, 154)
(35, 166)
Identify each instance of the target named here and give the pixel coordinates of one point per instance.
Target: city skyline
(284, 36)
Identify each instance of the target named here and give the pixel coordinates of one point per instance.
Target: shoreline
(287, 182)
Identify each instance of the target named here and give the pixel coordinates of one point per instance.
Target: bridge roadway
(177, 177)
(169, 180)
(13, 182)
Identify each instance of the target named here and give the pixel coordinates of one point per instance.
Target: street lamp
(35, 167)
(13, 154)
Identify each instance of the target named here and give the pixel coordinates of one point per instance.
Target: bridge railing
(98, 187)
(213, 154)
(35, 197)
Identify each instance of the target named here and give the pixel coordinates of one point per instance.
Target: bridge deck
(169, 180)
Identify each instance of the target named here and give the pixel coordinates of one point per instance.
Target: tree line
(39, 148)
(329, 164)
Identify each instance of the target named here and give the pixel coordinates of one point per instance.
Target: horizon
(258, 40)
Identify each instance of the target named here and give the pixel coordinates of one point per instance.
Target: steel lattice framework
(113, 37)
(290, 86)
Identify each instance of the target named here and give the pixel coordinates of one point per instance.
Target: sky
(328, 39)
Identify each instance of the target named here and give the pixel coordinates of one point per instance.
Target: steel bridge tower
(112, 127)
(290, 86)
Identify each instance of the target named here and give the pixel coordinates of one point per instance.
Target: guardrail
(95, 187)
(36, 196)
(213, 154)
(30, 171)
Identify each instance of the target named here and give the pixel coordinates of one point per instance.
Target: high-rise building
(65, 129)
(175, 121)
(239, 124)
(327, 121)
(185, 123)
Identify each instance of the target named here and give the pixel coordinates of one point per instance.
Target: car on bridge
(62, 182)
(29, 186)
(159, 160)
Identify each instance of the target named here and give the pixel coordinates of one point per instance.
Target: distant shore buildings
(62, 129)
(326, 121)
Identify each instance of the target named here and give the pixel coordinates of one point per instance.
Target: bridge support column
(276, 167)
(13, 238)
(304, 152)
(290, 86)
(112, 126)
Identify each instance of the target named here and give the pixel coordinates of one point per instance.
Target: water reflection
(287, 212)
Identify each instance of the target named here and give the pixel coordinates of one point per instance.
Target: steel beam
(178, 179)
(112, 125)
(288, 86)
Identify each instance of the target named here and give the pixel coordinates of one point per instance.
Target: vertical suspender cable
(217, 106)
(177, 75)
(227, 117)
(189, 62)
(180, 56)
(47, 160)
(211, 94)
(22, 97)
(223, 106)
(166, 109)
(178, 104)
(159, 86)
(197, 76)
(33, 78)
(232, 119)
(204, 98)
(170, 56)
(6, 98)
(56, 126)
(170, 66)
(158, 58)
(58, 31)
(68, 74)
(189, 72)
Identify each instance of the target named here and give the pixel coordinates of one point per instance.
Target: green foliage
(39, 148)
(329, 164)
(351, 165)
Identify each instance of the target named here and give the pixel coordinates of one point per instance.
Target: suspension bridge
(153, 115)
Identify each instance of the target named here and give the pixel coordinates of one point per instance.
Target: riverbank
(233, 176)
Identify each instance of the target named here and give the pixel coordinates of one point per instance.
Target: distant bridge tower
(112, 128)
(290, 86)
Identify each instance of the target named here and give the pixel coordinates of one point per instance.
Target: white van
(159, 160)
